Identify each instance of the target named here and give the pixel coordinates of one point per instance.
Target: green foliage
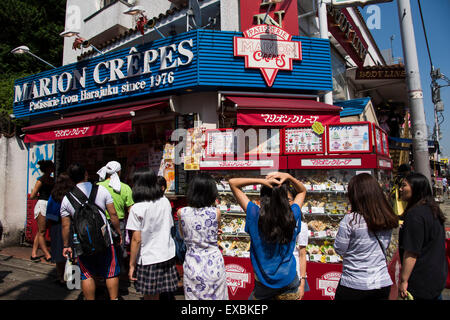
(36, 24)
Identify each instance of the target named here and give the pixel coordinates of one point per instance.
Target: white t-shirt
(102, 199)
(154, 220)
(301, 241)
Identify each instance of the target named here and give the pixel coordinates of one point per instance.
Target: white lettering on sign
(328, 283)
(269, 49)
(237, 277)
(292, 119)
(384, 163)
(105, 72)
(331, 162)
(71, 132)
(237, 164)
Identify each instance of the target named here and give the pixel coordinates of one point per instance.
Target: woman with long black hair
(422, 241)
(273, 229)
(362, 240)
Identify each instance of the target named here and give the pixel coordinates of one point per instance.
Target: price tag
(320, 234)
(317, 210)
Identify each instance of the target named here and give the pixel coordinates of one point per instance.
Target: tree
(36, 24)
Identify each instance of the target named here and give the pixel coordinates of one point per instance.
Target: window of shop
(340, 86)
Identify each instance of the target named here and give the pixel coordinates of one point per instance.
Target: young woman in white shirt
(152, 263)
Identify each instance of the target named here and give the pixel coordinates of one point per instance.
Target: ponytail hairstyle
(276, 220)
(421, 194)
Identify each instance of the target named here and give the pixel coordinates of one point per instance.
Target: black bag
(88, 223)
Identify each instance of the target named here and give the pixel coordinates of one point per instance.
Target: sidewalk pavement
(18, 258)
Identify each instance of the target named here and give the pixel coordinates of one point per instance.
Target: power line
(425, 33)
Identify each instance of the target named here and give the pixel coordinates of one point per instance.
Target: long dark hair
(62, 186)
(422, 195)
(367, 198)
(145, 186)
(202, 191)
(276, 220)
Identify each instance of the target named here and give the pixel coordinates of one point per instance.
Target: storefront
(174, 105)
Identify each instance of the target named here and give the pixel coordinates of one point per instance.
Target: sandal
(35, 259)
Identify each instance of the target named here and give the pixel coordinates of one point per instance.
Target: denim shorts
(261, 292)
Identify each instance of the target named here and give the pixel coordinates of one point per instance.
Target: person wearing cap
(122, 196)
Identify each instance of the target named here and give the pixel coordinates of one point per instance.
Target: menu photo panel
(303, 140)
(352, 137)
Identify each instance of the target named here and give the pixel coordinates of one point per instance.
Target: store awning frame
(88, 123)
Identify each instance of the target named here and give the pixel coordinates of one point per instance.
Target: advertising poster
(349, 138)
(219, 143)
(302, 140)
(195, 142)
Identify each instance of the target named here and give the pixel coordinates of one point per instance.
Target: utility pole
(323, 29)
(415, 93)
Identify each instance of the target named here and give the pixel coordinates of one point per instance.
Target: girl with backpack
(273, 229)
(152, 263)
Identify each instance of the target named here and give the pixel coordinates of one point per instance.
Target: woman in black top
(41, 191)
(422, 241)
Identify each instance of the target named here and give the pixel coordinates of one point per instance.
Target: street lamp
(25, 49)
(141, 19)
(79, 41)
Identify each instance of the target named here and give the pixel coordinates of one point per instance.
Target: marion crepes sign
(269, 49)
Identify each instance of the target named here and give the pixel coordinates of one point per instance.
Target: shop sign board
(332, 162)
(198, 59)
(354, 137)
(237, 164)
(344, 29)
(269, 49)
(381, 73)
(283, 119)
(282, 14)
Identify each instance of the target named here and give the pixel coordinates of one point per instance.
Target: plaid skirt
(157, 278)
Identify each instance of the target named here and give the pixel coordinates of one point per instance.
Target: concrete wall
(13, 190)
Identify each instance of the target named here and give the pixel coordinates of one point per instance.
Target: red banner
(80, 132)
(283, 119)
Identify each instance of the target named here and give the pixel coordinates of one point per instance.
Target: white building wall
(13, 190)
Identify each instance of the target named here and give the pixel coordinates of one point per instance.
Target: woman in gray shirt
(362, 240)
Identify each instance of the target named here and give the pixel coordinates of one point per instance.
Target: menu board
(302, 140)
(219, 142)
(348, 138)
(384, 137)
(378, 141)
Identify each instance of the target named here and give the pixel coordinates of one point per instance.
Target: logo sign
(237, 277)
(269, 49)
(328, 283)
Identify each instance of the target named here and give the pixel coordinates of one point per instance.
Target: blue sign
(198, 60)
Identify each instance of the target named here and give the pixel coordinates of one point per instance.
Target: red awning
(86, 125)
(267, 111)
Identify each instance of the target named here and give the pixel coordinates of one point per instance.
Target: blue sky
(437, 23)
